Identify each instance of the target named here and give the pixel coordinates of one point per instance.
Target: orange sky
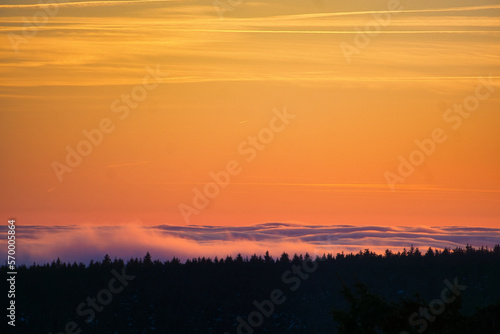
(200, 86)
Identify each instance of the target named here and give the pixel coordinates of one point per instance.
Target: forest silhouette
(342, 293)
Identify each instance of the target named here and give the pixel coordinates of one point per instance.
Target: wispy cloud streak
(83, 4)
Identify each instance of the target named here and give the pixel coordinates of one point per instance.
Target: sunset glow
(132, 115)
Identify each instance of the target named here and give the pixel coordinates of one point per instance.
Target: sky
(135, 115)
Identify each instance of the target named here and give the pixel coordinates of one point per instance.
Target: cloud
(364, 12)
(83, 4)
(81, 243)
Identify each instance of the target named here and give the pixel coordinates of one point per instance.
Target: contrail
(85, 3)
(128, 164)
(451, 9)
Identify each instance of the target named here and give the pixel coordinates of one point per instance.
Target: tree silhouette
(377, 293)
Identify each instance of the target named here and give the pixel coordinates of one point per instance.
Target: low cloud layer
(42, 244)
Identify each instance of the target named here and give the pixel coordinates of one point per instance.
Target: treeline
(218, 295)
(412, 253)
